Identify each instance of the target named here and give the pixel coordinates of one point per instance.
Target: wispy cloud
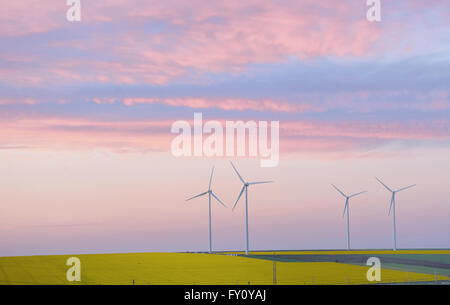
(311, 64)
(296, 136)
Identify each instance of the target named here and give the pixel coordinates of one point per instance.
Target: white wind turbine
(392, 206)
(347, 208)
(245, 187)
(210, 193)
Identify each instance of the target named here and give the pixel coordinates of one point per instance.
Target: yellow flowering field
(187, 269)
(341, 252)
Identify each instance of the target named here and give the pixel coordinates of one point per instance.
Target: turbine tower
(210, 193)
(244, 188)
(392, 206)
(347, 208)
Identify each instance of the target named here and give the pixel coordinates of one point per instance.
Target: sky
(86, 110)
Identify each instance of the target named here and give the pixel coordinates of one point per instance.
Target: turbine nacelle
(245, 184)
(347, 198)
(393, 192)
(209, 191)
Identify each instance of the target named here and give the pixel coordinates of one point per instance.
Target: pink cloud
(332, 138)
(356, 100)
(206, 36)
(154, 42)
(11, 101)
(366, 130)
(225, 104)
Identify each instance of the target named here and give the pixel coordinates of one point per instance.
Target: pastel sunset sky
(86, 110)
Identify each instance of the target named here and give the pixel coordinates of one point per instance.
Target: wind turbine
(210, 193)
(392, 206)
(244, 188)
(347, 208)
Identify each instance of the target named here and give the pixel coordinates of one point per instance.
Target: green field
(189, 268)
(435, 262)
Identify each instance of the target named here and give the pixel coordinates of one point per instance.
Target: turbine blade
(390, 207)
(357, 194)
(199, 195)
(384, 185)
(345, 208)
(339, 191)
(239, 197)
(210, 179)
(405, 188)
(252, 183)
(237, 172)
(218, 199)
